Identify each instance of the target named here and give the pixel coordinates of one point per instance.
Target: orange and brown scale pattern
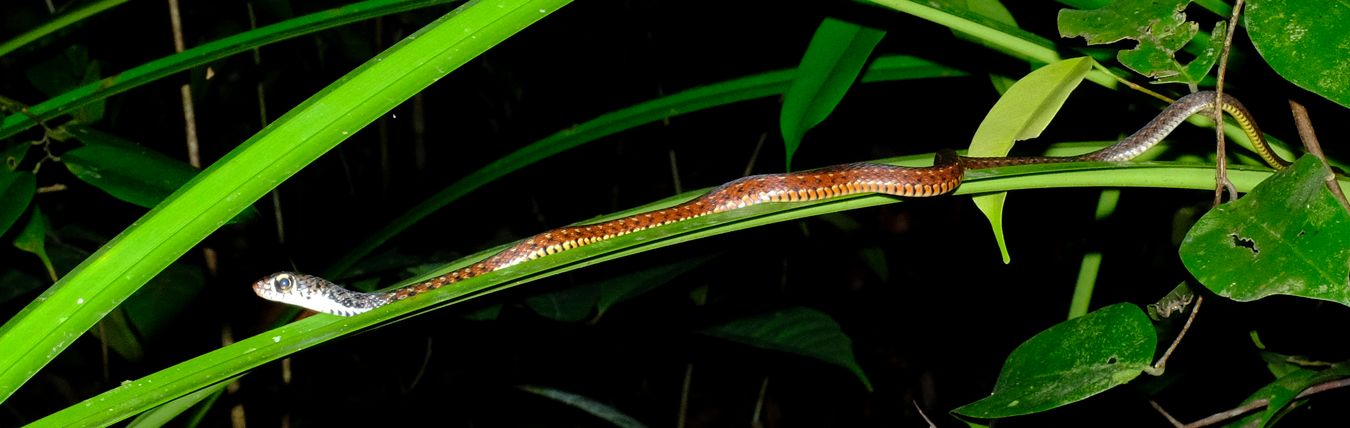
(824, 183)
(943, 177)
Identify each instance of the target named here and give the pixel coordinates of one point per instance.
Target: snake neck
(1151, 134)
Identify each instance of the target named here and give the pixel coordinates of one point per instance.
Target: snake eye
(283, 281)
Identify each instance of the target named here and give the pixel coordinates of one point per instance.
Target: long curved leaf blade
(205, 54)
(65, 311)
(63, 21)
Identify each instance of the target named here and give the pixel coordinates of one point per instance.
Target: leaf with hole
(1071, 361)
(1161, 30)
(1288, 236)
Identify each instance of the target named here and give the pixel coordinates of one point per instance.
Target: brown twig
(1310, 143)
(1253, 405)
(1221, 160)
(1158, 407)
(1161, 365)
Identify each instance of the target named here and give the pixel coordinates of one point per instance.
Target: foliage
(869, 320)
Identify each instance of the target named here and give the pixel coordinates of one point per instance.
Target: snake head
(316, 294)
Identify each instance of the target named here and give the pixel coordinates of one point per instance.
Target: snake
(944, 176)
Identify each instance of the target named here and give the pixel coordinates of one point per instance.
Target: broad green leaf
(16, 191)
(205, 54)
(141, 177)
(829, 67)
(1069, 362)
(600, 410)
(1161, 29)
(1306, 42)
(1288, 236)
(48, 325)
(1282, 392)
(801, 331)
(886, 68)
(128, 171)
(1022, 113)
(33, 239)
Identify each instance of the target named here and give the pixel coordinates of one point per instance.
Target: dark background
(935, 330)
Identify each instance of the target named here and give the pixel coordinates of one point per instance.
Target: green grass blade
(235, 359)
(1000, 36)
(54, 25)
(65, 311)
(887, 68)
(163, 67)
(1011, 40)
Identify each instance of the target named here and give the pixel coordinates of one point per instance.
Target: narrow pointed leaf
(1022, 113)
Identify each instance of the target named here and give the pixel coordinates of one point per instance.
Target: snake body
(946, 174)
